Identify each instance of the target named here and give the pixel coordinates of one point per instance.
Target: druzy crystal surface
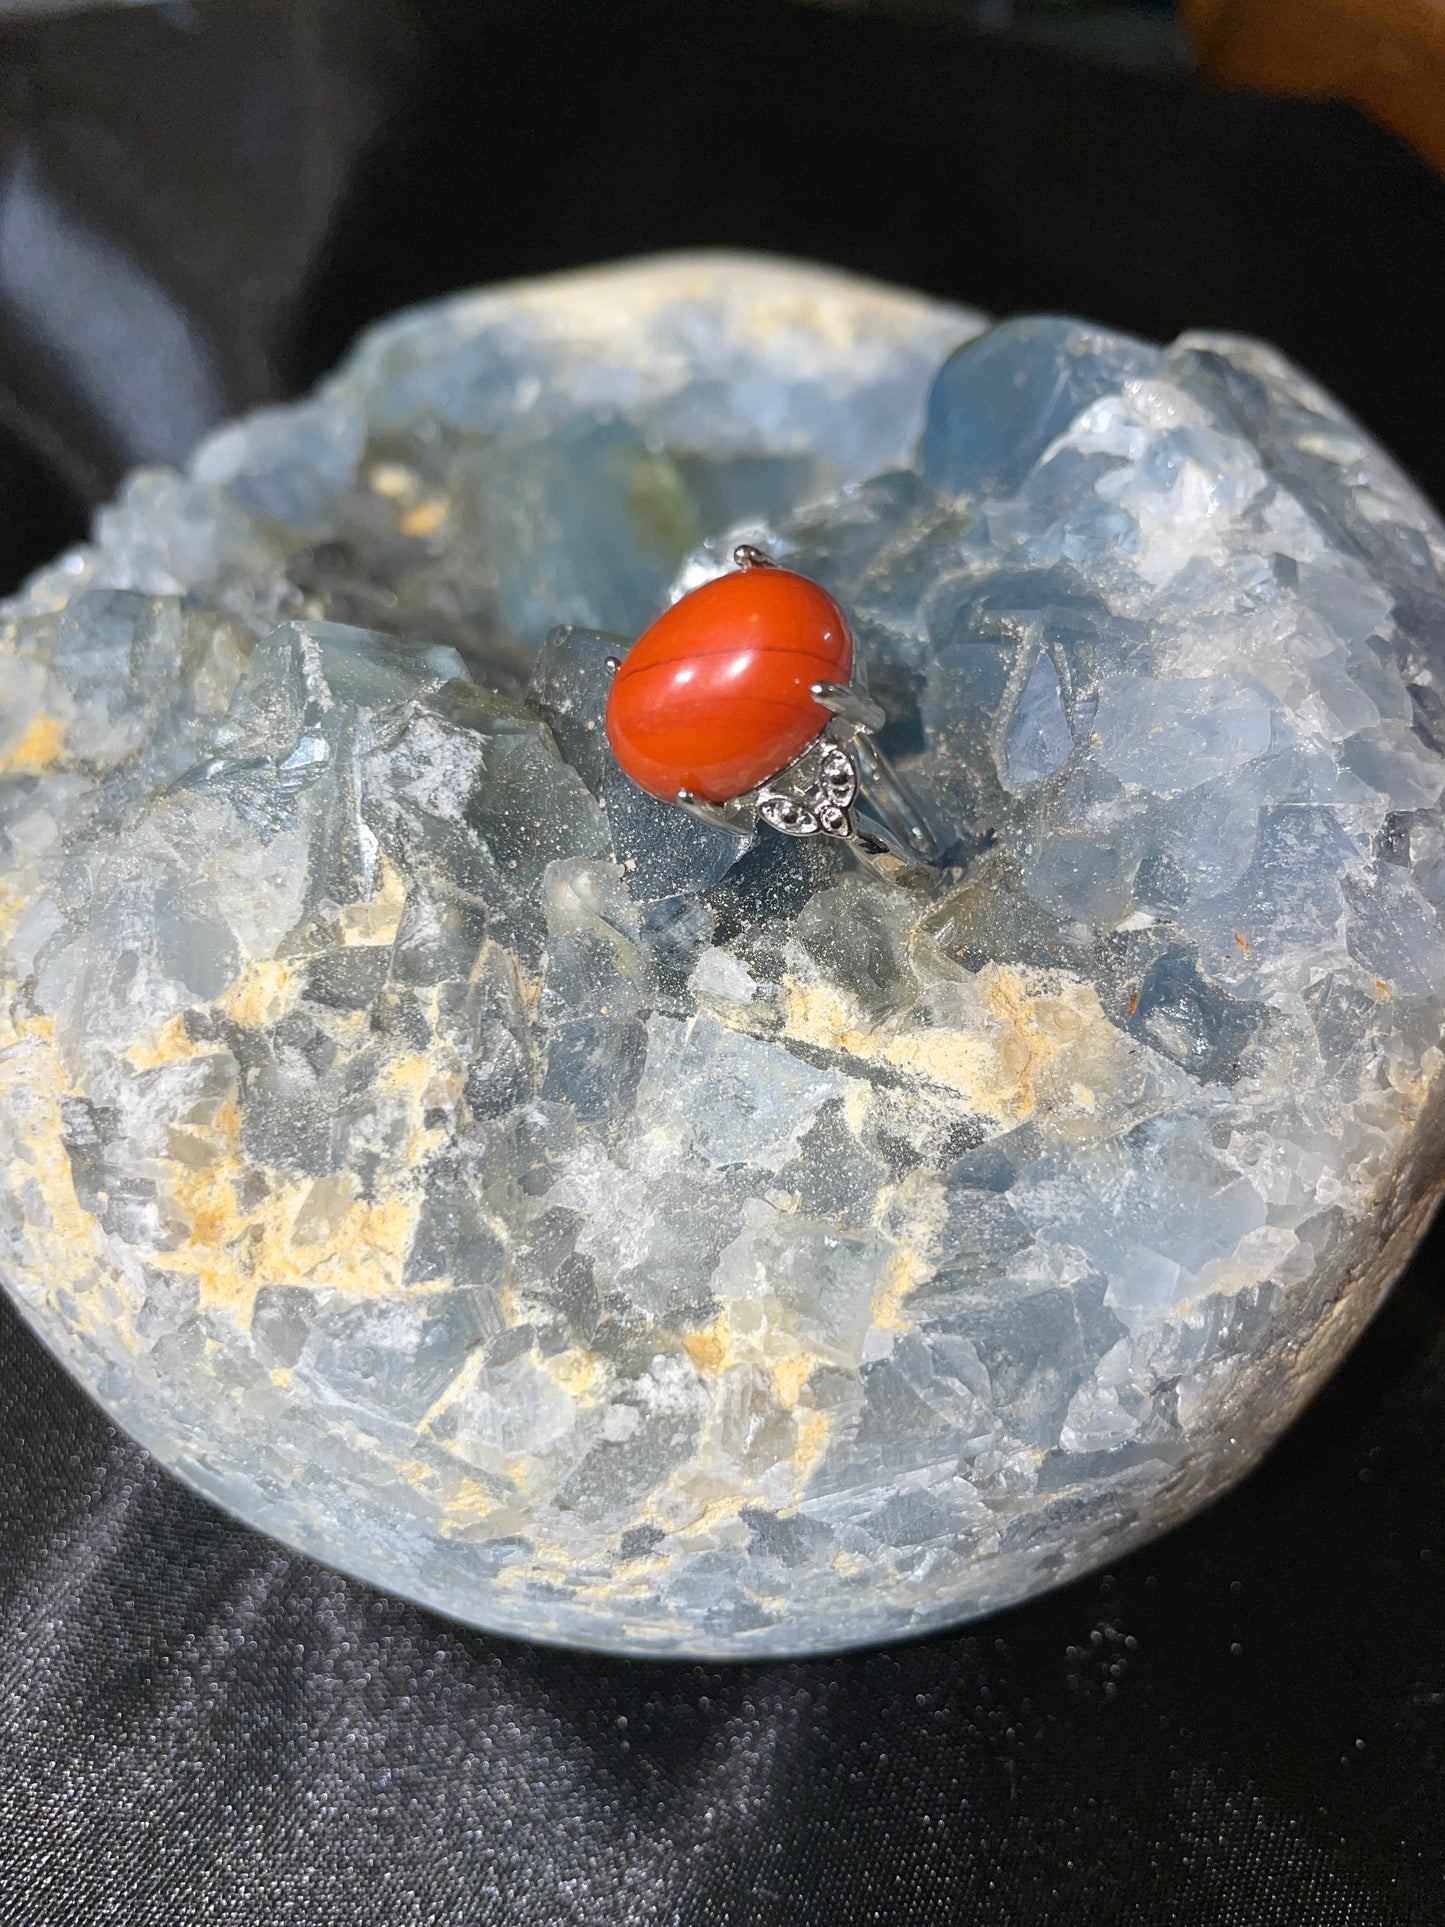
(603, 1229)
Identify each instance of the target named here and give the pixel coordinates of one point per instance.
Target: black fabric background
(1244, 1724)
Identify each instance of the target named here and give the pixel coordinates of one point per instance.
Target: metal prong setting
(849, 705)
(732, 816)
(841, 786)
(747, 556)
(614, 663)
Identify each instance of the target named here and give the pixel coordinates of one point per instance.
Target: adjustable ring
(743, 702)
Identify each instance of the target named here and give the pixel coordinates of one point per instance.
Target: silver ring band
(842, 786)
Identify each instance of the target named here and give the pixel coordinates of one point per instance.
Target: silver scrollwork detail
(816, 795)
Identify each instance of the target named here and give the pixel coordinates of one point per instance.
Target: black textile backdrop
(1244, 1724)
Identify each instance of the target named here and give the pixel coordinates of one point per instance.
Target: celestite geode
(508, 1190)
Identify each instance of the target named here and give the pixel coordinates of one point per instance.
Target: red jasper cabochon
(716, 696)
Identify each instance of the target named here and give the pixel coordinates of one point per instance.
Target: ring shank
(887, 799)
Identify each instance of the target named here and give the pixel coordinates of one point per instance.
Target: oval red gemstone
(716, 696)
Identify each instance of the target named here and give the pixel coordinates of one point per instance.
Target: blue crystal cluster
(612, 1231)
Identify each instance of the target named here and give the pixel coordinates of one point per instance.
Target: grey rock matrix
(605, 1230)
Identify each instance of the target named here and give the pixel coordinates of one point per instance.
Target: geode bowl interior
(607, 1230)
